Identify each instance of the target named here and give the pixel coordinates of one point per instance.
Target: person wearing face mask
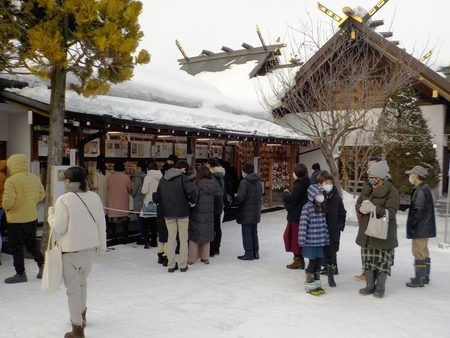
(420, 225)
(293, 202)
(313, 237)
(335, 215)
(78, 218)
(377, 255)
(368, 186)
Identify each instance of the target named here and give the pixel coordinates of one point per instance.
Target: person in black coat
(218, 173)
(316, 169)
(174, 196)
(335, 215)
(420, 225)
(293, 202)
(248, 200)
(201, 220)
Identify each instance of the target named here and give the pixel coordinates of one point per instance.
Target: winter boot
(160, 258)
(419, 280)
(370, 283)
(77, 332)
(331, 273)
(361, 277)
(17, 278)
(380, 287)
(427, 270)
(83, 315)
(255, 254)
(165, 261)
(310, 284)
(296, 264)
(41, 271)
(318, 282)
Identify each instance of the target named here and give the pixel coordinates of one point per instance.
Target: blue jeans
(250, 238)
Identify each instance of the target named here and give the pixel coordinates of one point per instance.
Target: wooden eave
(427, 79)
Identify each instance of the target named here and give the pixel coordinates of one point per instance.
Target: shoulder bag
(52, 275)
(378, 227)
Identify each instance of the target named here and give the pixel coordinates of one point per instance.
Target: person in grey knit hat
(379, 169)
(377, 254)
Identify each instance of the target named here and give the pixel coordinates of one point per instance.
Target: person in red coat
(293, 202)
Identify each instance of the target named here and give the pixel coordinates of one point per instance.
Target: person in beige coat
(22, 192)
(119, 188)
(79, 220)
(99, 183)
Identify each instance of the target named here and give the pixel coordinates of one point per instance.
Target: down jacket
(136, 192)
(383, 197)
(2, 179)
(173, 195)
(296, 199)
(23, 191)
(248, 200)
(201, 220)
(313, 226)
(421, 221)
(335, 215)
(219, 189)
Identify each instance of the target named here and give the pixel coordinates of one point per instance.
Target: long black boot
(419, 279)
(331, 271)
(380, 287)
(427, 270)
(153, 232)
(370, 282)
(125, 230)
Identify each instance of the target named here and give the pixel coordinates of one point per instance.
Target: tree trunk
(56, 133)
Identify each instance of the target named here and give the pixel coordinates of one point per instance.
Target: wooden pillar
(191, 145)
(270, 187)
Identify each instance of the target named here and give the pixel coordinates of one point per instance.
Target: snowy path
(130, 295)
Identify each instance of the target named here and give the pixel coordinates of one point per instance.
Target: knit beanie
(379, 169)
(248, 167)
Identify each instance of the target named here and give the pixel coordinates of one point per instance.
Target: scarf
(73, 187)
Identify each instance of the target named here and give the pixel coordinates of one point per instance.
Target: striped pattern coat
(313, 226)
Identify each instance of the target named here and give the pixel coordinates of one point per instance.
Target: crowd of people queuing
(187, 222)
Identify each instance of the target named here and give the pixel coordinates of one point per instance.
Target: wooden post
(191, 146)
(270, 188)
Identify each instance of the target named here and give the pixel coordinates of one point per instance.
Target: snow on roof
(167, 97)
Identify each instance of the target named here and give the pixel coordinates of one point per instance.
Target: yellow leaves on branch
(46, 44)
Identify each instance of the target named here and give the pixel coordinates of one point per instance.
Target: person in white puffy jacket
(79, 220)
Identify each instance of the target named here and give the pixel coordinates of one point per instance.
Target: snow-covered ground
(130, 295)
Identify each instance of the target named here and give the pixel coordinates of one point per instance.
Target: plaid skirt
(380, 260)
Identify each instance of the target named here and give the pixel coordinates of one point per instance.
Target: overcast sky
(205, 24)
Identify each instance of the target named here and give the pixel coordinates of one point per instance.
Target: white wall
(19, 141)
(309, 156)
(435, 116)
